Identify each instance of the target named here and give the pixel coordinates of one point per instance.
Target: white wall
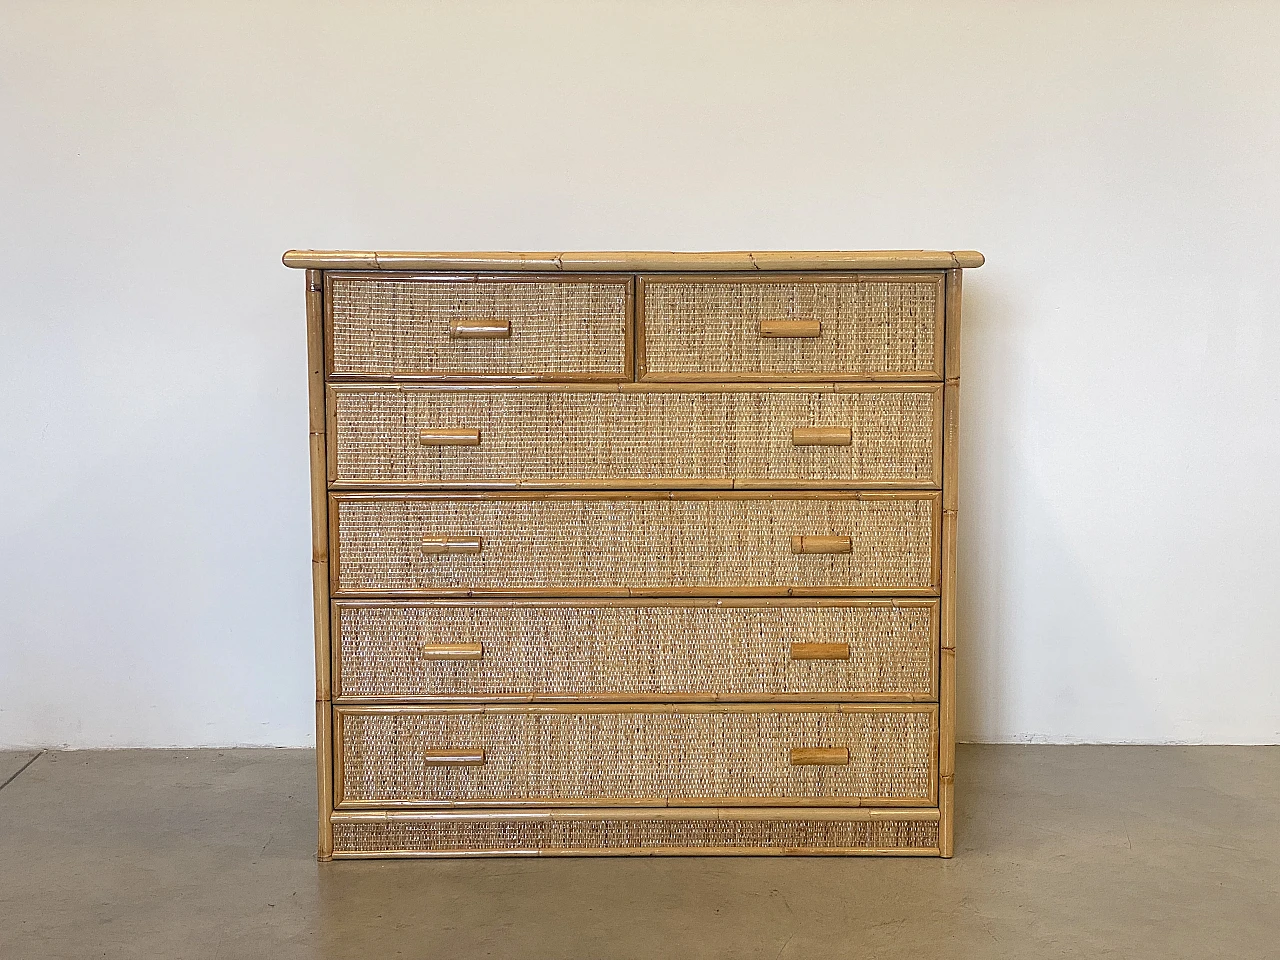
(1117, 163)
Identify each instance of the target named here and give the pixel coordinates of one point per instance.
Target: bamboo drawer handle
(479, 329)
(819, 651)
(441, 437)
(438, 545)
(822, 544)
(453, 758)
(822, 437)
(790, 328)
(819, 756)
(453, 651)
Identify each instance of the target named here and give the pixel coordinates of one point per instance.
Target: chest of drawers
(634, 553)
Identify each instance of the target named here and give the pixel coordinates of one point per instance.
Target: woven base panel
(614, 833)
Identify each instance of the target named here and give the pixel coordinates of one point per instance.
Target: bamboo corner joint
(634, 553)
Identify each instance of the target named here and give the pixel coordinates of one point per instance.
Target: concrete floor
(1133, 852)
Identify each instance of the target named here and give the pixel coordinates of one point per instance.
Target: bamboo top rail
(635, 261)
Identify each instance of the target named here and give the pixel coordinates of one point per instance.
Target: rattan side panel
(556, 651)
(872, 326)
(617, 835)
(564, 544)
(560, 327)
(646, 439)
(580, 754)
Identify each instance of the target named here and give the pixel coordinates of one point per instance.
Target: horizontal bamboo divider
(695, 754)
(463, 327)
(398, 435)
(634, 261)
(627, 650)
(662, 543)
(631, 832)
(790, 326)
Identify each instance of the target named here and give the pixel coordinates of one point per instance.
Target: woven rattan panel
(580, 754)
(548, 834)
(631, 650)
(557, 543)
(648, 438)
(382, 327)
(871, 326)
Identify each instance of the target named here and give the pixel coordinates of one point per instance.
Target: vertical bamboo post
(320, 551)
(324, 759)
(950, 501)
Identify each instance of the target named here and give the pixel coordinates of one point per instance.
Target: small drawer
(855, 326)
(478, 327)
(635, 544)
(624, 650)
(866, 435)
(633, 754)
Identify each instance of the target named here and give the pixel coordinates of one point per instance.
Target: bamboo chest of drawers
(634, 553)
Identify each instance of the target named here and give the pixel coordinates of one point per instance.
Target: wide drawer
(623, 544)
(817, 435)
(622, 755)
(869, 326)
(477, 327)
(635, 650)
(722, 831)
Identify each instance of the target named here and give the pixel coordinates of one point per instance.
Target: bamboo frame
(627, 269)
(472, 330)
(316, 409)
(644, 375)
(635, 261)
(950, 504)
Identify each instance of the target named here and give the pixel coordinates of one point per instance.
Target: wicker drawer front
(644, 832)
(791, 327)
(630, 650)
(781, 437)
(620, 544)
(532, 327)
(619, 755)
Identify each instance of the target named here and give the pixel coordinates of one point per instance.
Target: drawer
(622, 755)
(633, 650)
(478, 327)
(624, 544)
(872, 326)
(721, 436)
(633, 831)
